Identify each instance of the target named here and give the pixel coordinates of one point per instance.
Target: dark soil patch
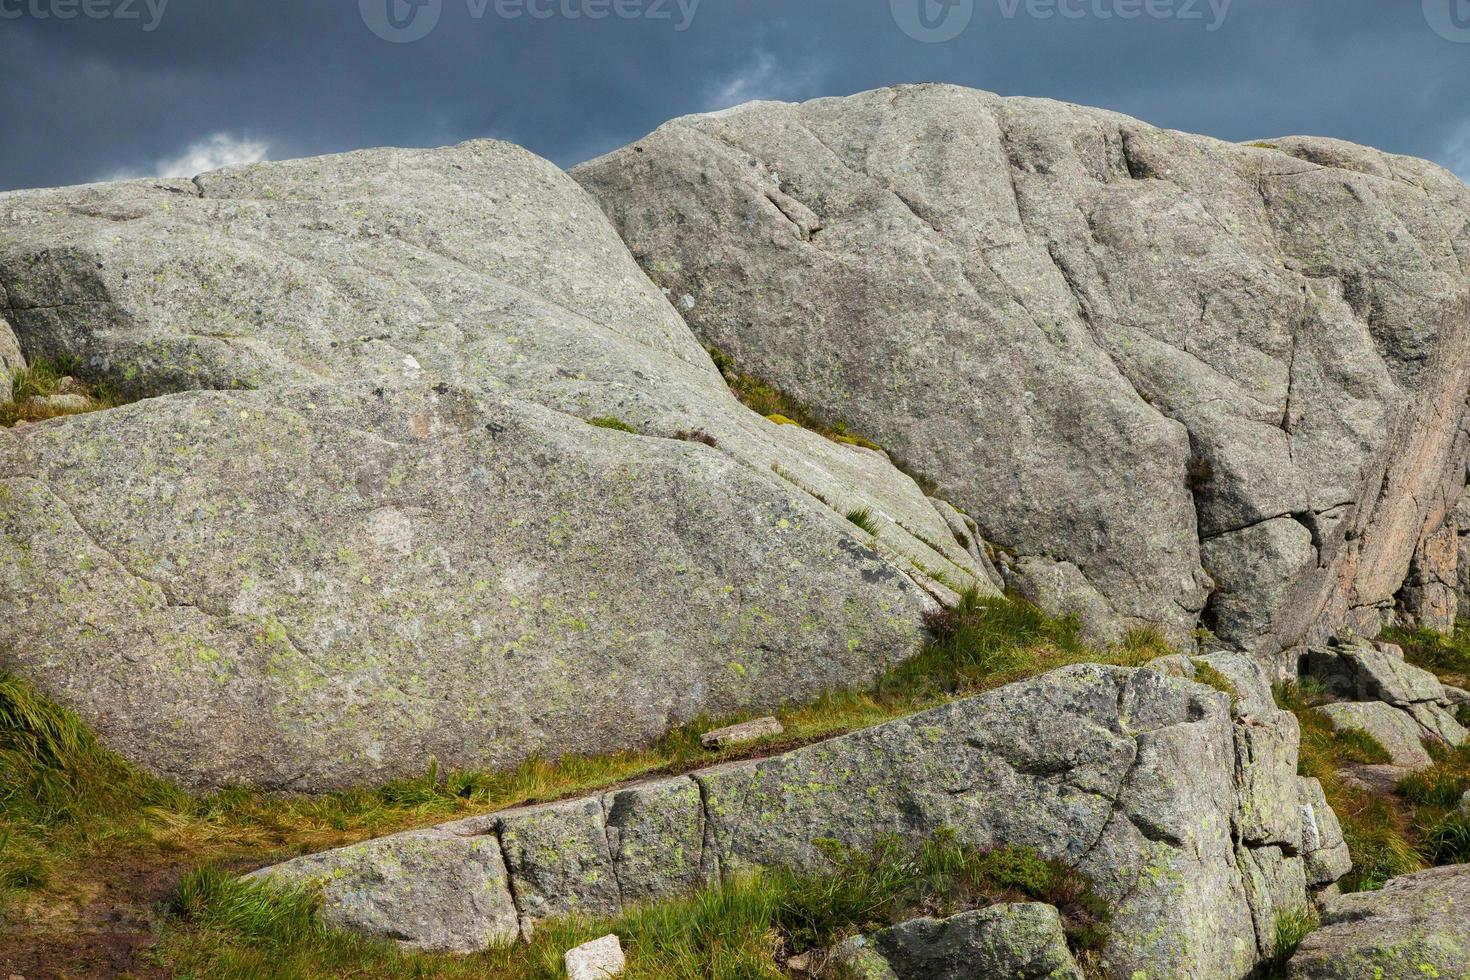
(109, 936)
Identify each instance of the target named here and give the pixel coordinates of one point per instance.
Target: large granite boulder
(1142, 781)
(357, 521)
(1417, 927)
(1176, 377)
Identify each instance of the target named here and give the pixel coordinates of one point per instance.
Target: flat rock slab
(742, 734)
(1016, 942)
(1395, 730)
(1416, 927)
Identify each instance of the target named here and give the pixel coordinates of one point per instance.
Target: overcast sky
(174, 86)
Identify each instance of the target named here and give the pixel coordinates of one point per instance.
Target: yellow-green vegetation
(779, 407)
(612, 422)
(1392, 835)
(74, 817)
(1210, 677)
(745, 928)
(1445, 654)
(44, 379)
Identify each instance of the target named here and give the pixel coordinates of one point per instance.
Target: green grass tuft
(43, 378)
(864, 519)
(1291, 928)
(611, 422)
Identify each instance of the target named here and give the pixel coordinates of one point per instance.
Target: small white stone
(597, 960)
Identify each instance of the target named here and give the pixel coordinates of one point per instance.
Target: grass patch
(743, 928)
(1388, 836)
(612, 422)
(1291, 928)
(44, 378)
(781, 408)
(1445, 654)
(864, 519)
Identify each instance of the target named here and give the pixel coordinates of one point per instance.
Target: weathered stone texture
(1116, 346)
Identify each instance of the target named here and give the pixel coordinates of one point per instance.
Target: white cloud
(211, 153)
(762, 78)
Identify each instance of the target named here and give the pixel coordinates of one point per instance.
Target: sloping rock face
(1187, 822)
(1418, 926)
(357, 522)
(1177, 378)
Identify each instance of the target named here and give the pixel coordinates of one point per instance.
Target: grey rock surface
(406, 544)
(450, 576)
(11, 360)
(741, 734)
(1324, 851)
(1115, 346)
(1392, 728)
(1018, 942)
(1139, 779)
(600, 959)
(439, 890)
(1418, 926)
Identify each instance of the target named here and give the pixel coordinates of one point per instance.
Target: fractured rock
(439, 890)
(1139, 780)
(1417, 926)
(1396, 731)
(1113, 345)
(1324, 850)
(1023, 942)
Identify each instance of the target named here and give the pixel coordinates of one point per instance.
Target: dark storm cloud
(90, 96)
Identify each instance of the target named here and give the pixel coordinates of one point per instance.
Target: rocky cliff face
(1180, 380)
(357, 521)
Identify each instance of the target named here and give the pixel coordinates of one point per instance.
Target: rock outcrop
(354, 520)
(1416, 927)
(1182, 381)
(1185, 820)
(1401, 706)
(1017, 942)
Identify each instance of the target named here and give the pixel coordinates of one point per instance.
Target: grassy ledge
(78, 824)
(745, 928)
